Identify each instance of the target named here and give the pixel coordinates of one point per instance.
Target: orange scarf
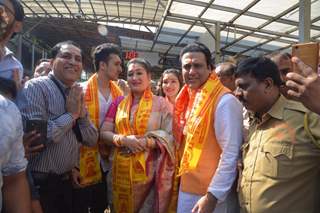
(193, 128)
(132, 168)
(90, 171)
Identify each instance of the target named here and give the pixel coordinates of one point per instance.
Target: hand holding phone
(304, 87)
(40, 127)
(28, 140)
(308, 53)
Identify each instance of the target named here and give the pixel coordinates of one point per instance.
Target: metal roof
(248, 27)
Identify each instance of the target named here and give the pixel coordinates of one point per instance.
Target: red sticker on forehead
(135, 66)
(193, 57)
(187, 60)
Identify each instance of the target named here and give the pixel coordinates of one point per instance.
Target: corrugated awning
(248, 27)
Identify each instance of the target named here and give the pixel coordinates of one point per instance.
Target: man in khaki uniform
(280, 161)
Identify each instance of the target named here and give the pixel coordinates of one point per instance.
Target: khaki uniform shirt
(281, 163)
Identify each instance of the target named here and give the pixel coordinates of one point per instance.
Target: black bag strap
(55, 81)
(76, 127)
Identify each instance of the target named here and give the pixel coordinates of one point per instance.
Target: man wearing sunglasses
(11, 17)
(15, 193)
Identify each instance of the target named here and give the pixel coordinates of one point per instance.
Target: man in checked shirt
(58, 99)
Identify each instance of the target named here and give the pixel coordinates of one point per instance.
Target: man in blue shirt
(11, 142)
(15, 189)
(13, 13)
(11, 16)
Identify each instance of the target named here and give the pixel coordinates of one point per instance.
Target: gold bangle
(150, 143)
(147, 142)
(114, 139)
(117, 140)
(120, 140)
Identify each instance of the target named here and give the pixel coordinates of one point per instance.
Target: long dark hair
(176, 72)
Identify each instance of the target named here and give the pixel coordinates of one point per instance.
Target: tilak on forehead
(189, 60)
(135, 66)
(192, 56)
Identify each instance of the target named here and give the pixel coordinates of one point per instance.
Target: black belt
(45, 178)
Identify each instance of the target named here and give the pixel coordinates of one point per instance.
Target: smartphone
(308, 53)
(40, 126)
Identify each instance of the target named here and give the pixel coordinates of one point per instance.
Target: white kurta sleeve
(228, 122)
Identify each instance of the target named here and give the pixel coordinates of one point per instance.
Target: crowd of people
(236, 137)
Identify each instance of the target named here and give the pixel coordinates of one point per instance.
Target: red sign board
(131, 54)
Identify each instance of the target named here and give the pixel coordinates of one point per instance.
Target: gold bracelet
(114, 139)
(120, 140)
(117, 140)
(150, 143)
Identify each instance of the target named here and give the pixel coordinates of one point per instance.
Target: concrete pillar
(217, 43)
(304, 20)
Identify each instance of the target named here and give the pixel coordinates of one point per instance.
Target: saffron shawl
(149, 174)
(90, 171)
(191, 116)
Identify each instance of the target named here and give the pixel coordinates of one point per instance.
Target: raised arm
(304, 87)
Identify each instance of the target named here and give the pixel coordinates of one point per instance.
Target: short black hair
(146, 65)
(56, 49)
(42, 60)
(260, 68)
(102, 53)
(198, 47)
(277, 56)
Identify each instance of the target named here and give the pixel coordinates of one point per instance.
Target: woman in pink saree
(139, 127)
